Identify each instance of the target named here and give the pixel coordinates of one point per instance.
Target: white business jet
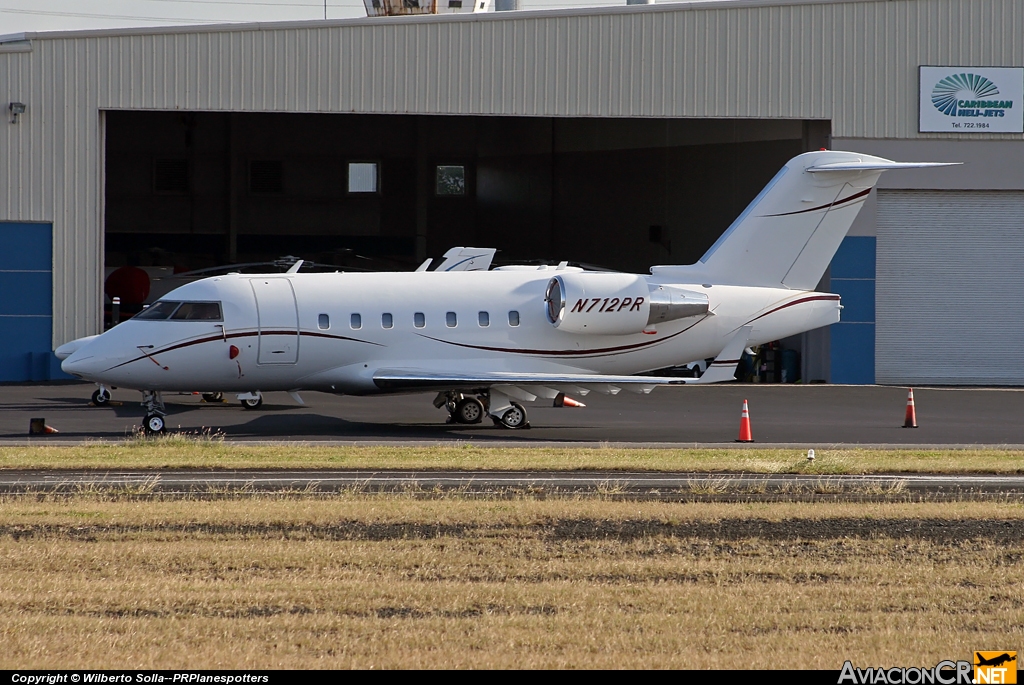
(455, 259)
(487, 341)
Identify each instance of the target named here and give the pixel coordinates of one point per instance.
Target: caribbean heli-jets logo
(988, 668)
(966, 95)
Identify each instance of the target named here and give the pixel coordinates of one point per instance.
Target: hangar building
(624, 137)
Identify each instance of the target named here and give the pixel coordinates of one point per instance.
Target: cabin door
(278, 320)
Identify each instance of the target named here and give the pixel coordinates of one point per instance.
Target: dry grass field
(203, 451)
(359, 580)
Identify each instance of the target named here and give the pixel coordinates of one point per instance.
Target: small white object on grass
(810, 455)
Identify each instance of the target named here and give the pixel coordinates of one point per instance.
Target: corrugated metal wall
(854, 63)
(950, 290)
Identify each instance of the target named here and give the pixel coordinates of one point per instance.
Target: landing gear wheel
(469, 410)
(153, 424)
(252, 404)
(101, 397)
(213, 396)
(514, 417)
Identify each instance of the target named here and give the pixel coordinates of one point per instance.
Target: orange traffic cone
(911, 420)
(745, 425)
(563, 400)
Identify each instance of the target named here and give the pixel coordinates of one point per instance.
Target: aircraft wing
(528, 386)
(536, 384)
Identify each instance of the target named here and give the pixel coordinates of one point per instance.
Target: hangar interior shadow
(191, 190)
(196, 189)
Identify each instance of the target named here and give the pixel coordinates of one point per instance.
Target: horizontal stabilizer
(876, 166)
(467, 259)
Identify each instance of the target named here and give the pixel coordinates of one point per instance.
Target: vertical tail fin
(788, 235)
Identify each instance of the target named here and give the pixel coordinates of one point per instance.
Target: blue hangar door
(26, 302)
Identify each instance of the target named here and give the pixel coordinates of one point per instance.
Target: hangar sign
(972, 100)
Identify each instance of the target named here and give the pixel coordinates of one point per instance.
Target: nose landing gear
(101, 397)
(251, 400)
(153, 423)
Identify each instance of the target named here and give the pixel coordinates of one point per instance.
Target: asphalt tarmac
(811, 415)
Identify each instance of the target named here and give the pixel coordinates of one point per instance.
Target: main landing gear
(470, 409)
(513, 417)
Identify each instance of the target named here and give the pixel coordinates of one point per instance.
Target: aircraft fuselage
(331, 332)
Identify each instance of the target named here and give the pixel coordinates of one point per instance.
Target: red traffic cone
(745, 425)
(911, 420)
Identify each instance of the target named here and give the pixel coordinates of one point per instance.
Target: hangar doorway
(194, 190)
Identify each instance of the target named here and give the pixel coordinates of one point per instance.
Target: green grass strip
(204, 452)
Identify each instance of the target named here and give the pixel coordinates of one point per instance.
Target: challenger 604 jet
(489, 340)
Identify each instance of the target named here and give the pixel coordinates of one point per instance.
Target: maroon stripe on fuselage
(830, 205)
(564, 353)
(244, 334)
(833, 298)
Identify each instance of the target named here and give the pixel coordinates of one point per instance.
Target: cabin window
(418, 320)
(484, 319)
(513, 318)
(362, 177)
(387, 321)
(450, 320)
(356, 322)
(324, 322)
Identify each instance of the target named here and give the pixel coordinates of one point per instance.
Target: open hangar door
(193, 190)
(949, 287)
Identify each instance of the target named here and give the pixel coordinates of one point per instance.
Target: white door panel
(278, 320)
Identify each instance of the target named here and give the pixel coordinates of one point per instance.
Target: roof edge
(680, 6)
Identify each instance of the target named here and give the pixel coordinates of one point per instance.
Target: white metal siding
(852, 62)
(950, 287)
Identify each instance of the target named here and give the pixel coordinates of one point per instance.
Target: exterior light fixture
(16, 109)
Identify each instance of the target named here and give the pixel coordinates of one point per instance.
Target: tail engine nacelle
(616, 304)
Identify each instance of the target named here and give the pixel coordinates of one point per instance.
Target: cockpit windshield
(198, 311)
(181, 311)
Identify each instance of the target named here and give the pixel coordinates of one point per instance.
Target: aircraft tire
(213, 396)
(469, 410)
(515, 417)
(253, 404)
(153, 424)
(101, 398)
